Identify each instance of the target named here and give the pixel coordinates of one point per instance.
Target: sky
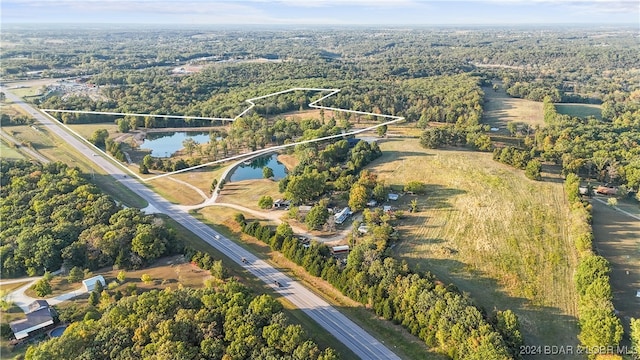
(322, 12)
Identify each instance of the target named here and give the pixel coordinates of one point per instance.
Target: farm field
(501, 109)
(617, 238)
(491, 232)
(580, 110)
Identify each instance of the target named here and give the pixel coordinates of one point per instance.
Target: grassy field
(248, 192)
(580, 110)
(501, 109)
(490, 231)
(617, 239)
(86, 130)
(8, 152)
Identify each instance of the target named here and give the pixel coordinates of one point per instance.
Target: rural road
(346, 331)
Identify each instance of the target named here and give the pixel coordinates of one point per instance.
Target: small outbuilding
(340, 249)
(90, 283)
(393, 197)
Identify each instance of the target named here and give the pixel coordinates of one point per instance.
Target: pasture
(486, 228)
(501, 109)
(580, 110)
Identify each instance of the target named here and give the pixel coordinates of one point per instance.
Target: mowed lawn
(486, 228)
(501, 109)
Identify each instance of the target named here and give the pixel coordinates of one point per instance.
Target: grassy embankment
(490, 231)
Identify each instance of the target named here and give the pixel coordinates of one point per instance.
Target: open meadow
(501, 109)
(580, 110)
(489, 230)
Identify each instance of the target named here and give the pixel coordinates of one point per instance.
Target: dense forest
(225, 322)
(50, 216)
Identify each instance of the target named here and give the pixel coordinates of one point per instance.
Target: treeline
(442, 136)
(439, 315)
(51, 216)
(599, 325)
(8, 120)
(225, 322)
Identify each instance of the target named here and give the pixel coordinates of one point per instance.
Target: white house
(393, 197)
(90, 283)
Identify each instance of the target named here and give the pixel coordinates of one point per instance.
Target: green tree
(99, 137)
(122, 276)
(635, 334)
(267, 172)
(218, 270)
(147, 243)
(94, 298)
(146, 278)
(317, 216)
(381, 130)
(533, 170)
(123, 125)
(42, 287)
(357, 197)
(189, 145)
(75, 275)
(512, 127)
(415, 187)
(214, 184)
(265, 202)
(414, 205)
(612, 201)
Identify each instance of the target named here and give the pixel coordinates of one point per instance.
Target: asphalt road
(346, 331)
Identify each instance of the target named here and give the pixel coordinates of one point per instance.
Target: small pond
(164, 144)
(254, 169)
(57, 332)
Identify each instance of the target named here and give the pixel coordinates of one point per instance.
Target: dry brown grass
(486, 228)
(248, 192)
(87, 130)
(7, 288)
(501, 109)
(289, 161)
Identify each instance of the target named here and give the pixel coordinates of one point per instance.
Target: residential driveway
(22, 300)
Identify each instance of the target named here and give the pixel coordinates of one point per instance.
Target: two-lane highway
(357, 339)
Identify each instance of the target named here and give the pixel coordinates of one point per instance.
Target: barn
(90, 283)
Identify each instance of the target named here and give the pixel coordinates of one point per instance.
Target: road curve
(346, 331)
